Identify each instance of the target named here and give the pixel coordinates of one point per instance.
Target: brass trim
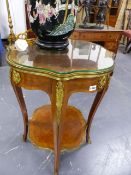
(16, 77)
(89, 140)
(103, 82)
(83, 142)
(63, 150)
(58, 76)
(59, 100)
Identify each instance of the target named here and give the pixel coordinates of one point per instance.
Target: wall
(119, 23)
(129, 4)
(17, 14)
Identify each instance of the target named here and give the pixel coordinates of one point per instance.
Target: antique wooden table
(82, 67)
(109, 38)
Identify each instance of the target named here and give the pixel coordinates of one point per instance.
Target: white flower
(21, 44)
(31, 19)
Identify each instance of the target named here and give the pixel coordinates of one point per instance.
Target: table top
(80, 59)
(105, 29)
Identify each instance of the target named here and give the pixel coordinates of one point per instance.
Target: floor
(110, 151)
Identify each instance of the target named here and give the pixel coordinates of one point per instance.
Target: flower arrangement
(42, 11)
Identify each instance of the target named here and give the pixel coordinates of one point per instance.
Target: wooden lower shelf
(41, 128)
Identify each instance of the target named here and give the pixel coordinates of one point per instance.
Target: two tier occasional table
(82, 67)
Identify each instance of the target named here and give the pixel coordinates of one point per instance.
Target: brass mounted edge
(59, 99)
(103, 82)
(15, 76)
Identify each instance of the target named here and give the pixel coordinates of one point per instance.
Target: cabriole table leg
(95, 105)
(21, 101)
(59, 102)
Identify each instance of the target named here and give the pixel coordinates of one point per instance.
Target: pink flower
(42, 19)
(51, 12)
(40, 9)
